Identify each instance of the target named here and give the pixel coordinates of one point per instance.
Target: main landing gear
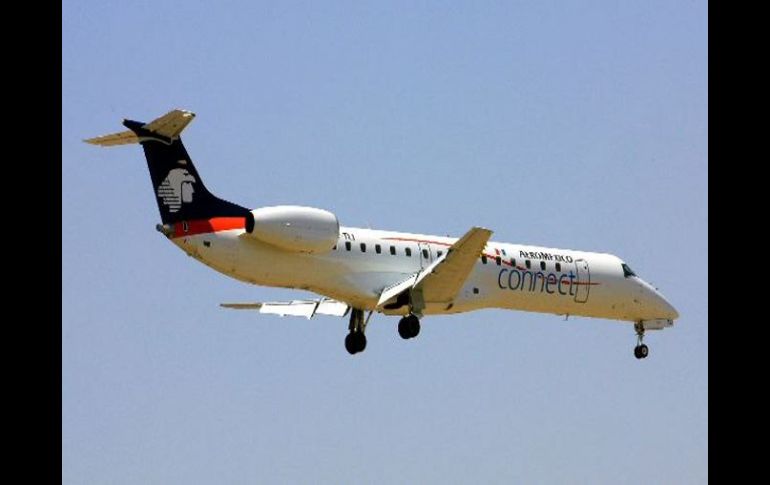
(356, 340)
(409, 327)
(640, 351)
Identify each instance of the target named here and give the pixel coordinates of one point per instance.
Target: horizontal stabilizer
(169, 126)
(122, 138)
(296, 308)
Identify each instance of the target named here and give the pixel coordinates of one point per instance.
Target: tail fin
(180, 191)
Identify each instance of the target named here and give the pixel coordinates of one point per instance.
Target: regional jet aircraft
(355, 271)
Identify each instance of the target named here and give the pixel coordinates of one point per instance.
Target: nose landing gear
(640, 351)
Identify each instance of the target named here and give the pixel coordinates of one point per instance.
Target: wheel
(355, 342)
(644, 351)
(414, 326)
(403, 328)
(409, 327)
(350, 344)
(641, 351)
(360, 340)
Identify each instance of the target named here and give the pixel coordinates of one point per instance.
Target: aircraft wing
(441, 281)
(444, 278)
(296, 308)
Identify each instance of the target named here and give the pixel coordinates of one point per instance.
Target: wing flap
(295, 308)
(396, 289)
(333, 308)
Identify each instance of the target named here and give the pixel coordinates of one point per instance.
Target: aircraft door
(582, 281)
(426, 255)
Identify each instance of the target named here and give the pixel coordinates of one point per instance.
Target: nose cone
(667, 309)
(658, 305)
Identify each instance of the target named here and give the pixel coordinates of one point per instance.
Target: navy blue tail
(179, 189)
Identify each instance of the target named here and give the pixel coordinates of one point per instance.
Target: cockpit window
(627, 272)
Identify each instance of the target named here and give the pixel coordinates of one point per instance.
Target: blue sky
(577, 125)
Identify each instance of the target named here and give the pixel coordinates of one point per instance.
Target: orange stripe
(205, 226)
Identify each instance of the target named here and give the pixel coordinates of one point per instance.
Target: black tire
(636, 352)
(644, 351)
(350, 344)
(414, 326)
(360, 340)
(403, 328)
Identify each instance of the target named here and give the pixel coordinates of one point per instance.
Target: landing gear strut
(640, 351)
(356, 340)
(409, 326)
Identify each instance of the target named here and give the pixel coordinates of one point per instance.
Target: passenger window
(408, 252)
(425, 253)
(393, 250)
(528, 263)
(347, 245)
(483, 259)
(558, 266)
(377, 249)
(498, 260)
(542, 265)
(363, 247)
(513, 262)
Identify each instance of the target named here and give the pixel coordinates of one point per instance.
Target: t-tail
(179, 189)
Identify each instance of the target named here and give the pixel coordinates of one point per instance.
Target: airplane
(356, 270)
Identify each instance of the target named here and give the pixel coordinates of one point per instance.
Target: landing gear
(356, 340)
(409, 327)
(641, 351)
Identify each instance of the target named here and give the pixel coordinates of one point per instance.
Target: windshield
(627, 271)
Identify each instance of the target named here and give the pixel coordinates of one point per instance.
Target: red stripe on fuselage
(205, 226)
(416, 240)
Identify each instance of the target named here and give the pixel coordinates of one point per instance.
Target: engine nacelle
(294, 228)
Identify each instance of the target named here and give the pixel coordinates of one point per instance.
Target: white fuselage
(362, 269)
(510, 276)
